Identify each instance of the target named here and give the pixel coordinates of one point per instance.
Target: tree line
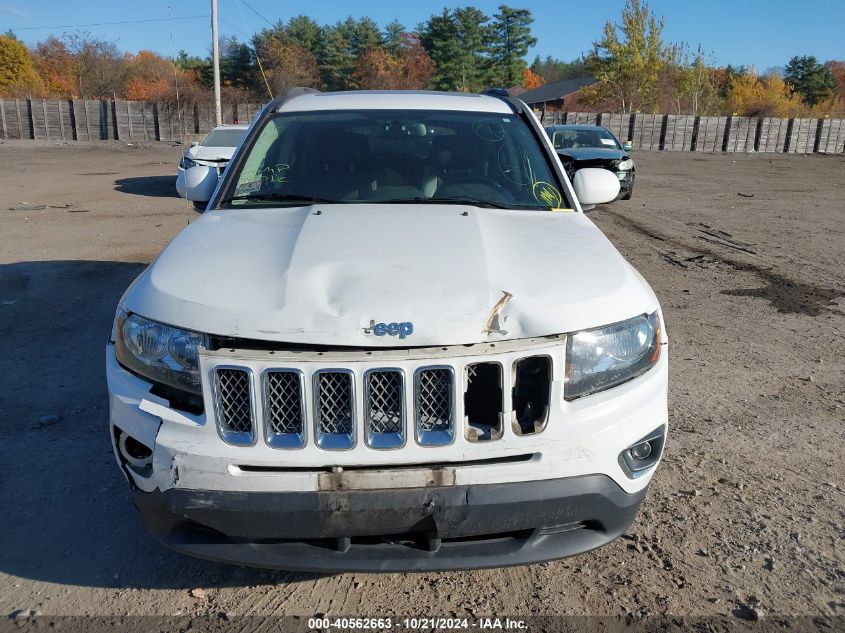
(461, 49)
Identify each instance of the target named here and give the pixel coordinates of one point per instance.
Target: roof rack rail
(502, 93)
(298, 91)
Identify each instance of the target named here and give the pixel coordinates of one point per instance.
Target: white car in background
(214, 151)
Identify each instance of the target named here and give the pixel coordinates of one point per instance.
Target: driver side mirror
(595, 186)
(200, 182)
(627, 146)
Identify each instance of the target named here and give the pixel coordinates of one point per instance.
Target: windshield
(224, 138)
(563, 138)
(395, 156)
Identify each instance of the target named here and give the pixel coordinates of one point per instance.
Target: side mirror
(200, 182)
(627, 146)
(194, 143)
(595, 186)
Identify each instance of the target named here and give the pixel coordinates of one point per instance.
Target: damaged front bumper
(432, 528)
(519, 498)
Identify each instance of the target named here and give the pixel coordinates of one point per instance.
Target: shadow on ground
(153, 186)
(65, 512)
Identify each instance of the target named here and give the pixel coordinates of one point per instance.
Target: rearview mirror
(595, 186)
(194, 143)
(627, 146)
(200, 182)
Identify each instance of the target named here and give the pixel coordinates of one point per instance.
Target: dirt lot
(747, 254)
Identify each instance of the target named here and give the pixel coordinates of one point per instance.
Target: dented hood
(321, 276)
(212, 154)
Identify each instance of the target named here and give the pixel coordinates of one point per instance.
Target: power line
(255, 11)
(73, 26)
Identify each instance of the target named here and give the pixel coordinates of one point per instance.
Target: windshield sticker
(546, 193)
(248, 187)
(489, 130)
(608, 141)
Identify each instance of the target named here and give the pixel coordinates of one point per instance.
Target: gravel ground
(745, 517)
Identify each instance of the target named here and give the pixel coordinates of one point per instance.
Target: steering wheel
(484, 181)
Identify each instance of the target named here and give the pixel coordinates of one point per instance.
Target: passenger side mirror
(627, 146)
(194, 143)
(200, 182)
(595, 186)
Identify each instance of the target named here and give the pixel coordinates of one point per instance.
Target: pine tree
(511, 40)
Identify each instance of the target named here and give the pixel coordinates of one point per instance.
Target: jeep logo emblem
(403, 329)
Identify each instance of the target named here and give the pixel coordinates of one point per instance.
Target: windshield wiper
(283, 197)
(474, 202)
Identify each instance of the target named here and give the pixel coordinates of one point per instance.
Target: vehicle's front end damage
(333, 370)
(463, 456)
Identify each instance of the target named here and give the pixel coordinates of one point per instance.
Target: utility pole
(215, 53)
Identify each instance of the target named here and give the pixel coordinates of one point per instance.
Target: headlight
(608, 356)
(625, 165)
(159, 352)
(187, 163)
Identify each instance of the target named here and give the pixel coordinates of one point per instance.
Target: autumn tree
(99, 68)
(17, 73)
(530, 80)
(410, 68)
(813, 81)
(751, 95)
(55, 66)
(630, 58)
(688, 82)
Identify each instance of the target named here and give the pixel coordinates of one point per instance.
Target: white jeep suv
(393, 341)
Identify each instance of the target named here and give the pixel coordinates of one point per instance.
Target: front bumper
(430, 528)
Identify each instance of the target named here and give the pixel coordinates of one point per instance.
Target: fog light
(642, 455)
(641, 451)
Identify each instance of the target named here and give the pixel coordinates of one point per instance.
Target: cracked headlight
(187, 163)
(162, 353)
(625, 165)
(604, 357)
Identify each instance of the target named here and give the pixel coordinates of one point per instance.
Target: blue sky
(758, 32)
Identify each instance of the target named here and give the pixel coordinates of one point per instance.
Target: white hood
(214, 154)
(302, 276)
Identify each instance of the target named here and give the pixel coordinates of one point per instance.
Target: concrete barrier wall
(685, 133)
(80, 120)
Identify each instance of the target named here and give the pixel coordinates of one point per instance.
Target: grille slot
(234, 404)
(334, 409)
(284, 414)
(384, 408)
(434, 408)
(483, 406)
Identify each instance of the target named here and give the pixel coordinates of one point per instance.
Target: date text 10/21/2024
(417, 623)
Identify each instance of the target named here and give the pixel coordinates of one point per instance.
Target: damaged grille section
(334, 408)
(483, 402)
(384, 408)
(489, 396)
(435, 405)
(284, 414)
(234, 405)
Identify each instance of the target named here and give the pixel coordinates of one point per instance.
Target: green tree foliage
(551, 69)
(197, 68)
(630, 59)
(511, 39)
(470, 52)
(237, 64)
(392, 37)
(810, 79)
